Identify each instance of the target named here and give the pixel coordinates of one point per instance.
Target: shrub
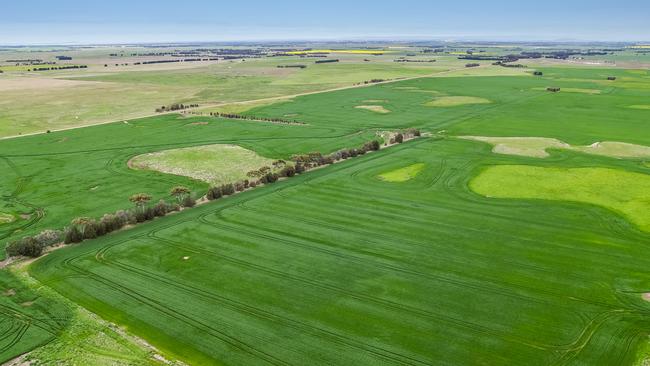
(228, 189)
(149, 213)
(161, 208)
(122, 218)
(109, 222)
(288, 171)
(48, 237)
(188, 201)
(100, 228)
(399, 138)
(129, 216)
(239, 186)
(253, 184)
(270, 178)
(140, 216)
(72, 235)
(299, 168)
(413, 132)
(372, 145)
(214, 193)
(90, 231)
(28, 247)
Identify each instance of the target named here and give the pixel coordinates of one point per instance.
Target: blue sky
(121, 21)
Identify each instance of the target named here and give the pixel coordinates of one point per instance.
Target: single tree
(140, 199)
(180, 192)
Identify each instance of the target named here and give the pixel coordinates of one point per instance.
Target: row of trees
(506, 64)
(175, 107)
(292, 66)
(252, 118)
(59, 68)
(413, 61)
(83, 228)
(372, 81)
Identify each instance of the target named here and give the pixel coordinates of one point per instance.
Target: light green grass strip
(618, 190)
(6, 218)
(456, 101)
(402, 174)
(216, 164)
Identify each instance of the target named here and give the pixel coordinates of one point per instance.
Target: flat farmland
(340, 267)
(36, 102)
(389, 258)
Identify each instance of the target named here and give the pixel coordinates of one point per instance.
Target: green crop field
(388, 258)
(370, 272)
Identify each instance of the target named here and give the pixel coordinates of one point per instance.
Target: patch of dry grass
(215, 164)
(455, 101)
(374, 108)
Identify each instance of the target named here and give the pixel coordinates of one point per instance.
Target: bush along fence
(85, 228)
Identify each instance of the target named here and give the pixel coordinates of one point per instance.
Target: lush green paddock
(618, 190)
(50, 179)
(27, 317)
(569, 250)
(340, 267)
(518, 108)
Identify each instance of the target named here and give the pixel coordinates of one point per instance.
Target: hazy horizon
(122, 22)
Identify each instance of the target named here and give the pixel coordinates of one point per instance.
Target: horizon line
(396, 39)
